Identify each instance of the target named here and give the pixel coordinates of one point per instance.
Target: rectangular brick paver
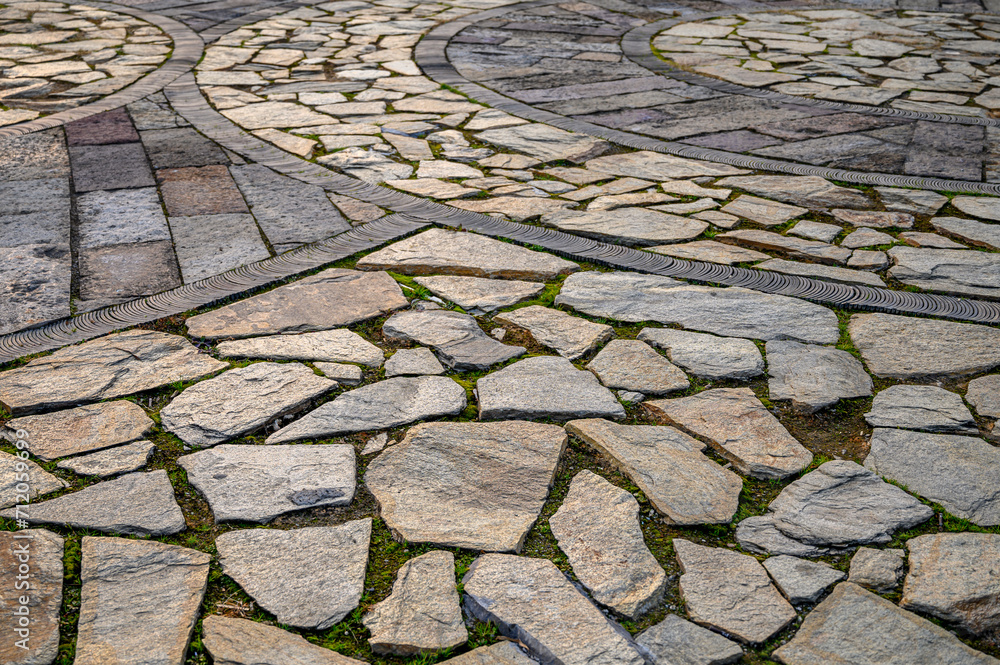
(205, 190)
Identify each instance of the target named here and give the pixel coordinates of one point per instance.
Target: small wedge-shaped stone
(568, 335)
(477, 295)
(422, 614)
(597, 526)
(439, 484)
(112, 366)
(139, 601)
(39, 481)
(856, 626)
(842, 504)
(962, 473)
(307, 578)
(81, 430)
(707, 356)
(338, 346)
(758, 534)
(740, 428)
(669, 467)
(240, 642)
(629, 364)
(111, 461)
(329, 299)
(676, 641)
(814, 377)
(532, 601)
(140, 504)
(730, 592)
(42, 550)
(501, 653)
(258, 483)
(389, 403)
(799, 580)
(458, 340)
(927, 408)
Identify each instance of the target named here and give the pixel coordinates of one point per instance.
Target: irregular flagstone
(258, 483)
(865, 237)
(381, 405)
(739, 428)
(39, 481)
(949, 578)
(878, 570)
(111, 461)
(501, 653)
(422, 613)
(815, 230)
(460, 253)
(545, 387)
(519, 208)
(307, 578)
(903, 347)
(241, 401)
(875, 218)
(978, 206)
(44, 550)
(630, 226)
(813, 192)
(819, 271)
(338, 346)
(328, 299)
(657, 166)
(548, 144)
(477, 295)
(240, 642)
(762, 211)
(83, 429)
(597, 526)
(856, 626)
(809, 250)
(801, 581)
(841, 504)
(410, 362)
(348, 375)
(679, 642)
(367, 165)
(962, 473)
(927, 408)
(438, 484)
(570, 336)
(710, 250)
(758, 534)
(530, 600)
(629, 364)
(814, 377)
(733, 312)
(105, 368)
(140, 504)
(956, 271)
(457, 338)
(916, 201)
(122, 580)
(730, 592)
(973, 232)
(707, 356)
(984, 395)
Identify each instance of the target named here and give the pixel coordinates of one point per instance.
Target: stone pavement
(476, 331)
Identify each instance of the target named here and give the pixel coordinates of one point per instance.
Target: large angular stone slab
(597, 526)
(240, 642)
(740, 429)
(422, 613)
(962, 473)
(307, 578)
(814, 377)
(927, 408)
(37, 641)
(123, 579)
(111, 461)
(241, 401)
(457, 338)
(797, 248)
(810, 191)
(477, 295)
(707, 356)
(669, 467)
(390, 403)
(438, 485)
(458, 253)
(856, 626)
(730, 592)
(531, 601)
(140, 504)
(337, 346)
(657, 166)
(801, 581)
(83, 429)
(108, 367)
(902, 347)
(979, 206)
(975, 233)
(545, 387)
(679, 642)
(568, 335)
(12, 476)
(733, 312)
(955, 271)
(548, 144)
(501, 653)
(258, 483)
(628, 364)
(328, 299)
(758, 534)
(628, 226)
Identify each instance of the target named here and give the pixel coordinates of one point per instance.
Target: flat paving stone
(111, 461)
(200, 190)
(817, 271)
(878, 570)
(180, 146)
(337, 345)
(501, 653)
(35, 283)
(680, 642)
(122, 216)
(105, 167)
(985, 207)
(862, 259)
(44, 550)
(101, 129)
(627, 225)
(711, 251)
(815, 230)
(801, 581)
(545, 143)
(814, 377)
(658, 166)
(413, 362)
(973, 232)
(762, 211)
(874, 218)
(83, 429)
(516, 207)
(12, 475)
(275, 114)
(984, 395)
(865, 237)
(208, 245)
(812, 192)
(367, 165)
(242, 642)
(456, 338)
(570, 336)
(927, 408)
(953, 271)
(627, 364)
(930, 240)
(707, 356)
(477, 295)
(807, 250)
(118, 273)
(759, 535)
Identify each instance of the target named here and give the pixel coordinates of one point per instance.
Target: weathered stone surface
(984, 395)
(111, 461)
(307, 578)
(457, 338)
(874, 218)
(45, 554)
(956, 271)
(570, 336)
(368, 165)
(545, 143)
(819, 271)
(730, 592)
(501, 653)
(381, 405)
(329, 299)
(976, 233)
(762, 211)
(916, 201)
(629, 364)
(962, 473)
(811, 191)
(841, 504)
(856, 626)
(932, 240)
(412, 362)
(140, 504)
(814, 377)
(39, 482)
(675, 641)
(712, 251)
(734, 311)
(878, 570)
(740, 428)
(927, 408)
(459, 253)
(518, 208)
(707, 356)
(338, 346)
(531, 601)
(240, 642)
(815, 230)
(759, 535)
(978, 206)
(422, 613)
(347, 375)
(80, 430)
(438, 485)
(545, 387)
(657, 166)
(241, 401)
(801, 581)
(808, 250)
(123, 579)
(477, 295)
(629, 226)
(108, 367)
(902, 347)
